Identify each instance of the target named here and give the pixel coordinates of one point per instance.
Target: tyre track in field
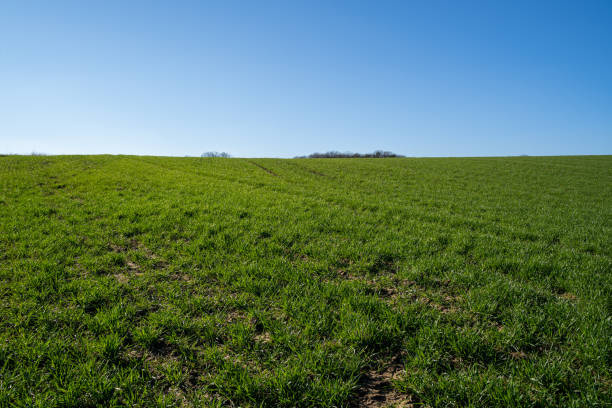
(267, 170)
(423, 218)
(309, 170)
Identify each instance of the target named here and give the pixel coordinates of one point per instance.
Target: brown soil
(376, 389)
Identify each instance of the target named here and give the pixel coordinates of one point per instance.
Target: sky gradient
(281, 79)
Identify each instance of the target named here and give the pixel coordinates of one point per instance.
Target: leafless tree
(216, 154)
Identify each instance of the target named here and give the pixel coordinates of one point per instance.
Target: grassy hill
(155, 281)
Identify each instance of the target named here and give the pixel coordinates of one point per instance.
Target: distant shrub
(216, 154)
(347, 155)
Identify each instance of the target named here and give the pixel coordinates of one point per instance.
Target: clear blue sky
(286, 78)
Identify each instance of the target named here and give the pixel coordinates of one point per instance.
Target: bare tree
(225, 155)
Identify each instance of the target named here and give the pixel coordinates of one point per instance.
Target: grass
(149, 281)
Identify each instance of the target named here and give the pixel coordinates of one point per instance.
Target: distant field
(155, 281)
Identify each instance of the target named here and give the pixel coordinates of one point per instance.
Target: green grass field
(150, 281)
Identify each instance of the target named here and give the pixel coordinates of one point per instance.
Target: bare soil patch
(376, 388)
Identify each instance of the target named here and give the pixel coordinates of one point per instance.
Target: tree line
(378, 154)
(332, 154)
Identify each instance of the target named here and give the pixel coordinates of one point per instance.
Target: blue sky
(280, 79)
